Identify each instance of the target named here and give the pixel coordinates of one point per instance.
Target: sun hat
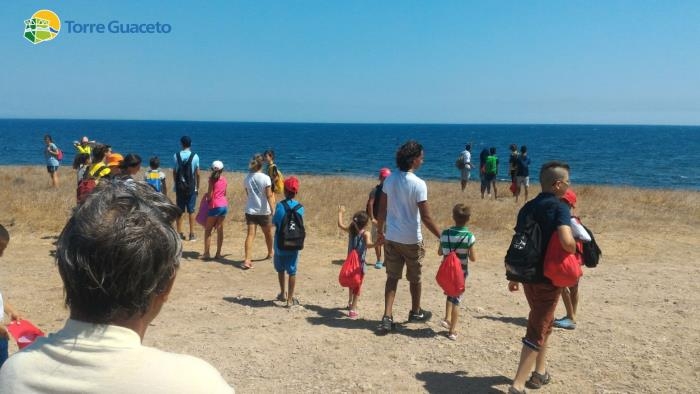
(114, 159)
(384, 172)
(291, 184)
(570, 197)
(217, 165)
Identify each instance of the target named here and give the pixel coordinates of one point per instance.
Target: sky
(582, 62)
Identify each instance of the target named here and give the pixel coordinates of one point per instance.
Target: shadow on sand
(459, 382)
(518, 321)
(251, 302)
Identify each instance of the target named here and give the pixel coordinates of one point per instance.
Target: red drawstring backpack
(450, 275)
(351, 271)
(561, 267)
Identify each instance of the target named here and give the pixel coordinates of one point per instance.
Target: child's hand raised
(341, 208)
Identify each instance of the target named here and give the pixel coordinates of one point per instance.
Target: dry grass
(28, 196)
(30, 205)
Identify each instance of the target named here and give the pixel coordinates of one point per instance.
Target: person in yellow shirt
(84, 146)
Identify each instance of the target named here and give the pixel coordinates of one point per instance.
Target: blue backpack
(153, 179)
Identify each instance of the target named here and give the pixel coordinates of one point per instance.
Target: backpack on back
(590, 252)
(88, 184)
(525, 252)
(184, 177)
(153, 179)
(59, 154)
(459, 163)
(491, 166)
(291, 234)
(450, 275)
(561, 267)
(277, 182)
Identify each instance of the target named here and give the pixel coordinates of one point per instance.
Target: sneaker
(444, 323)
(182, 237)
(192, 238)
(420, 316)
(452, 337)
(537, 381)
(565, 323)
(353, 314)
(387, 324)
(378, 265)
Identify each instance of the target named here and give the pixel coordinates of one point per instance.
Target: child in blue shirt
(286, 260)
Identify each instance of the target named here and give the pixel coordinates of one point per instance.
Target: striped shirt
(459, 239)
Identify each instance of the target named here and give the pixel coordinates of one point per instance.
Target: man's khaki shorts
(397, 254)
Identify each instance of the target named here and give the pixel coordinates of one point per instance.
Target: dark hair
(492, 150)
(513, 147)
(154, 162)
(523, 149)
(269, 152)
(215, 174)
(48, 137)
(117, 251)
(468, 147)
(359, 221)
(130, 160)
(4, 234)
(551, 172)
(99, 151)
(407, 153)
(461, 214)
(80, 159)
(186, 141)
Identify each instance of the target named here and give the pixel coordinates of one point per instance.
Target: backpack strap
(459, 244)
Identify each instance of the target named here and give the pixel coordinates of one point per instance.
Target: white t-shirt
(467, 159)
(89, 358)
(255, 183)
(404, 190)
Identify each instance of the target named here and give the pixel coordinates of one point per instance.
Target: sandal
(452, 337)
(538, 380)
(281, 297)
(444, 323)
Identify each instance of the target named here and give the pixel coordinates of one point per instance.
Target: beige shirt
(89, 358)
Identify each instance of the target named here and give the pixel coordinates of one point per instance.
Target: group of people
(110, 312)
(518, 170)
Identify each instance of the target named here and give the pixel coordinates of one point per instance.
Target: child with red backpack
(460, 240)
(358, 240)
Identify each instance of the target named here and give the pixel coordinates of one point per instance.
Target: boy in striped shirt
(461, 240)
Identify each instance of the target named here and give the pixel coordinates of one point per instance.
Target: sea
(659, 157)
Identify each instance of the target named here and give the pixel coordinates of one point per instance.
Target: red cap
(384, 172)
(291, 184)
(570, 197)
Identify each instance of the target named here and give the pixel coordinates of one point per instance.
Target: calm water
(644, 156)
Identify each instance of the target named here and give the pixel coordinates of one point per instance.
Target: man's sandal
(538, 380)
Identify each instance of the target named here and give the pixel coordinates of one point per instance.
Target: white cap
(217, 165)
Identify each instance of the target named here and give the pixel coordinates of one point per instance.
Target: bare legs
(451, 316)
(53, 177)
(570, 297)
(252, 228)
(213, 222)
(528, 359)
(389, 295)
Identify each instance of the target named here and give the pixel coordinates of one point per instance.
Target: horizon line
(369, 123)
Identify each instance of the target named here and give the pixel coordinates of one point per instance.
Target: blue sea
(665, 157)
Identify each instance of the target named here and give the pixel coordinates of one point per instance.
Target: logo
(44, 25)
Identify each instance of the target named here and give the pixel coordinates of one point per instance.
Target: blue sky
(617, 62)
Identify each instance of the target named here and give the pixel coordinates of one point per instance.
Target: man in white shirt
(403, 205)
(466, 157)
(118, 257)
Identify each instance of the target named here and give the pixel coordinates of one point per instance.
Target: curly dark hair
(407, 153)
(117, 251)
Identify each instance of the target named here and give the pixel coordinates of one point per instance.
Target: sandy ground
(637, 332)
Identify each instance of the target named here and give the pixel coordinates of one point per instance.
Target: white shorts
(522, 180)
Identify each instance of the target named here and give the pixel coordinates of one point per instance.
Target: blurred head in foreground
(118, 254)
